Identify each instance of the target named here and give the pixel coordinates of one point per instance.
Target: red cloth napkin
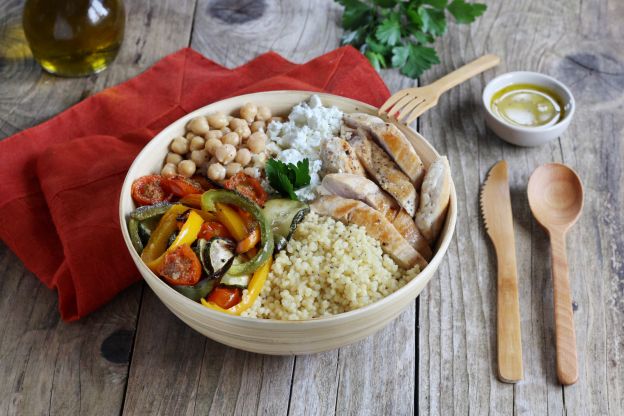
(60, 181)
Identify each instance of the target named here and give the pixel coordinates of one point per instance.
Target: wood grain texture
(438, 357)
(48, 366)
(534, 36)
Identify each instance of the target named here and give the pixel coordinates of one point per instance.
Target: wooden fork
(406, 105)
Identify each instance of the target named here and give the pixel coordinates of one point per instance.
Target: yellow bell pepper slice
(232, 221)
(207, 216)
(188, 234)
(157, 243)
(253, 291)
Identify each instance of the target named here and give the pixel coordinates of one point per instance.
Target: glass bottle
(74, 37)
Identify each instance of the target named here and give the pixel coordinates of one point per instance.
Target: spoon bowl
(556, 196)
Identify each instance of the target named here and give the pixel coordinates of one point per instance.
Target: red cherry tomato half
(225, 297)
(181, 267)
(148, 190)
(247, 186)
(210, 229)
(181, 186)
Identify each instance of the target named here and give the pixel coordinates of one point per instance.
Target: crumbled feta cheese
(308, 125)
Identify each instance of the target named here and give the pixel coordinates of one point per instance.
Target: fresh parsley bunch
(396, 32)
(286, 178)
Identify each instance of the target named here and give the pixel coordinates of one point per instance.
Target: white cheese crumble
(308, 125)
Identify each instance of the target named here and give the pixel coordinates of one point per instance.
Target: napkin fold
(60, 181)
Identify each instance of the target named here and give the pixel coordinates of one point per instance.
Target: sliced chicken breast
(385, 172)
(393, 141)
(339, 157)
(350, 211)
(363, 189)
(434, 199)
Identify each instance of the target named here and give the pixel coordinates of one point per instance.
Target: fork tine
(399, 105)
(390, 101)
(416, 112)
(408, 108)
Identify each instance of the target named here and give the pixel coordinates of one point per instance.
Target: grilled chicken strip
(384, 171)
(339, 157)
(350, 211)
(434, 199)
(393, 141)
(363, 189)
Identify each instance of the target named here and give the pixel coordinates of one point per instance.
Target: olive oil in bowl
(527, 105)
(74, 37)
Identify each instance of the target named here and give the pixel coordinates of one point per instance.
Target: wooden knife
(496, 210)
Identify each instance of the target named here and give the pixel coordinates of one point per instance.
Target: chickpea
(237, 123)
(225, 130)
(187, 168)
(173, 158)
(259, 160)
(198, 125)
(258, 126)
(212, 145)
(217, 120)
(213, 134)
(257, 142)
(253, 172)
(226, 153)
(245, 132)
(232, 169)
(169, 170)
(198, 156)
(179, 145)
(189, 135)
(197, 143)
(231, 138)
(243, 156)
(264, 113)
(248, 112)
(216, 172)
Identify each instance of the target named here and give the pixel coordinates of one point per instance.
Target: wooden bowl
(265, 335)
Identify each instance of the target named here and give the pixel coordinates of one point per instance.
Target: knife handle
(565, 338)
(508, 320)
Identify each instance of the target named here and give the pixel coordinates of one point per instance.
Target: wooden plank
(593, 63)
(458, 360)
(48, 366)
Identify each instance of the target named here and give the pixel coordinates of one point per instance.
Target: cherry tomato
(181, 186)
(225, 297)
(202, 181)
(181, 267)
(247, 186)
(148, 190)
(211, 229)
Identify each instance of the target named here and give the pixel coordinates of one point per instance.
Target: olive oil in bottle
(74, 37)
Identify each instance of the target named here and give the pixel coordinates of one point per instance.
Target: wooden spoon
(556, 198)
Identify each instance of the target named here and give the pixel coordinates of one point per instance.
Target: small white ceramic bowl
(527, 136)
(273, 336)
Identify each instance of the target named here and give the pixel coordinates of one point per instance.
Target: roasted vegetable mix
(211, 245)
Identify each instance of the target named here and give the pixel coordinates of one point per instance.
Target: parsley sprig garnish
(286, 178)
(396, 33)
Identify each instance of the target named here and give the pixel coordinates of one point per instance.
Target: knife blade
(495, 204)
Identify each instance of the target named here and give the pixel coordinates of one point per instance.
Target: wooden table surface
(134, 357)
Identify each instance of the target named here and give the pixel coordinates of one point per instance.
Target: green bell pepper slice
(209, 200)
